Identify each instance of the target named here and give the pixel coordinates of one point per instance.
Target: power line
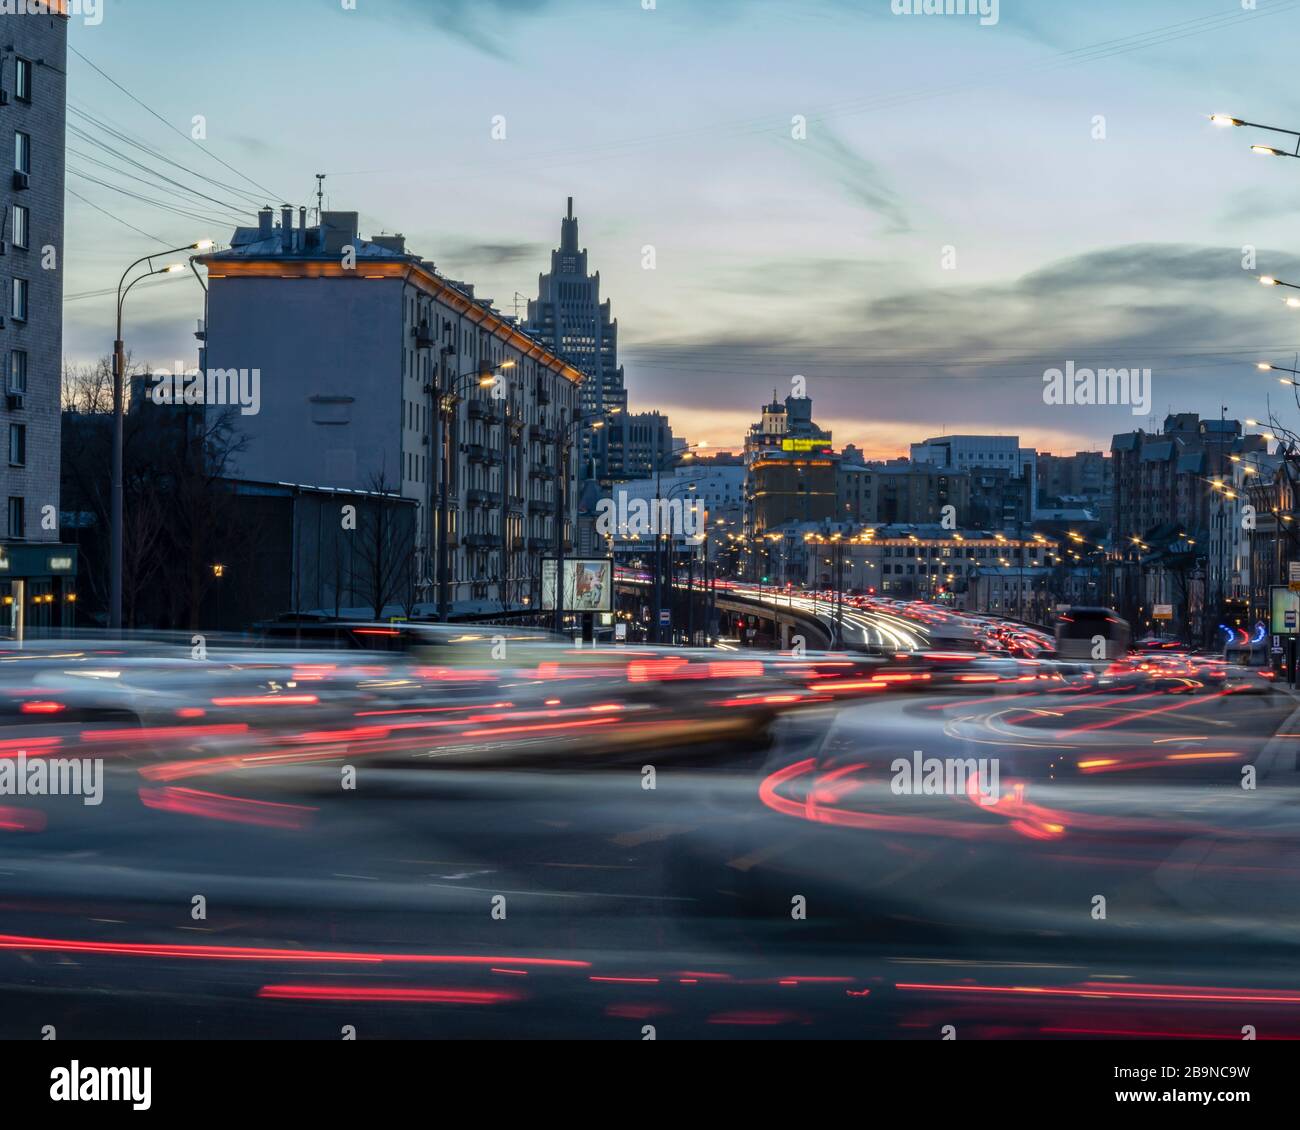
(155, 186)
(157, 155)
(201, 148)
(146, 199)
(106, 212)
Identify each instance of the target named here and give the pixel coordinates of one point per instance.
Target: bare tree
(385, 547)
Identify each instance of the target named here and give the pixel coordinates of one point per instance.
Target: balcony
(541, 506)
(482, 541)
(482, 410)
(476, 452)
(542, 472)
(483, 498)
(541, 545)
(541, 434)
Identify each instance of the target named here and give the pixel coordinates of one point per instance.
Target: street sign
(1289, 619)
(665, 617)
(1163, 612)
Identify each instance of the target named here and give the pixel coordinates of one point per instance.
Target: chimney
(286, 227)
(264, 223)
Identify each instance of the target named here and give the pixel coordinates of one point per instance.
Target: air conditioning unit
(4, 247)
(4, 98)
(22, 181)
(14, 400)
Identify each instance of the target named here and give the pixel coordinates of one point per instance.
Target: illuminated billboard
(588, 585)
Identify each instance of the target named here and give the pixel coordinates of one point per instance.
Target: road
(783, 891)
(863, 628)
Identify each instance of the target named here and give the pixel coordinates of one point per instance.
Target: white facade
(352, 362)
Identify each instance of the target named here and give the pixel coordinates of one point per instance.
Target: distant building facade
(901, 491)
(1003, 475)
(1164, 523)
(569, 317)
(791, 468)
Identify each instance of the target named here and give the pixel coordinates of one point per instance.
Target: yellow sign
(804, 445)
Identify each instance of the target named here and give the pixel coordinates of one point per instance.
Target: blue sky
(775, 256)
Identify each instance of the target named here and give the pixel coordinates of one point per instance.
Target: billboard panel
(588, 584)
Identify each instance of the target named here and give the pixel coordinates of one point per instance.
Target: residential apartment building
(901, 491)
(1164, 479)
(1003, 475)
(36, 574)
(357, 342)
(1171, 537)
(1083, 475)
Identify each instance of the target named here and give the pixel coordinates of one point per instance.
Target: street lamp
(562, 446)
(1266, 150)
(686, 452)
(119, 375)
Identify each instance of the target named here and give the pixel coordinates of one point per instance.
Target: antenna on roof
(320, 196)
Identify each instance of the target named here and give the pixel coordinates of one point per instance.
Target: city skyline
(823, 257)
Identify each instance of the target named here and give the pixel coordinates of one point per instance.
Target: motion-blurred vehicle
(1091, 634)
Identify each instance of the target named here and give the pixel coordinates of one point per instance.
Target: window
(17, 445)
(18, 371)
(23, 80)
(18, 300)
(20, 226)
(17, 525)
(22, 153)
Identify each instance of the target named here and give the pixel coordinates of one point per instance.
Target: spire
(569, 232)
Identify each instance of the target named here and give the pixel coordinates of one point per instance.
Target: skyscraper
(569, 317)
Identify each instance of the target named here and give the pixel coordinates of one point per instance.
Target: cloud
(479, 23)
(856, 176)
(973, 357)
(471, 254)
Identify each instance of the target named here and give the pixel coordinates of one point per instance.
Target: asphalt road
(722, 902)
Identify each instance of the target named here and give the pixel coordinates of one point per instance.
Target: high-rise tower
(569, 317)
